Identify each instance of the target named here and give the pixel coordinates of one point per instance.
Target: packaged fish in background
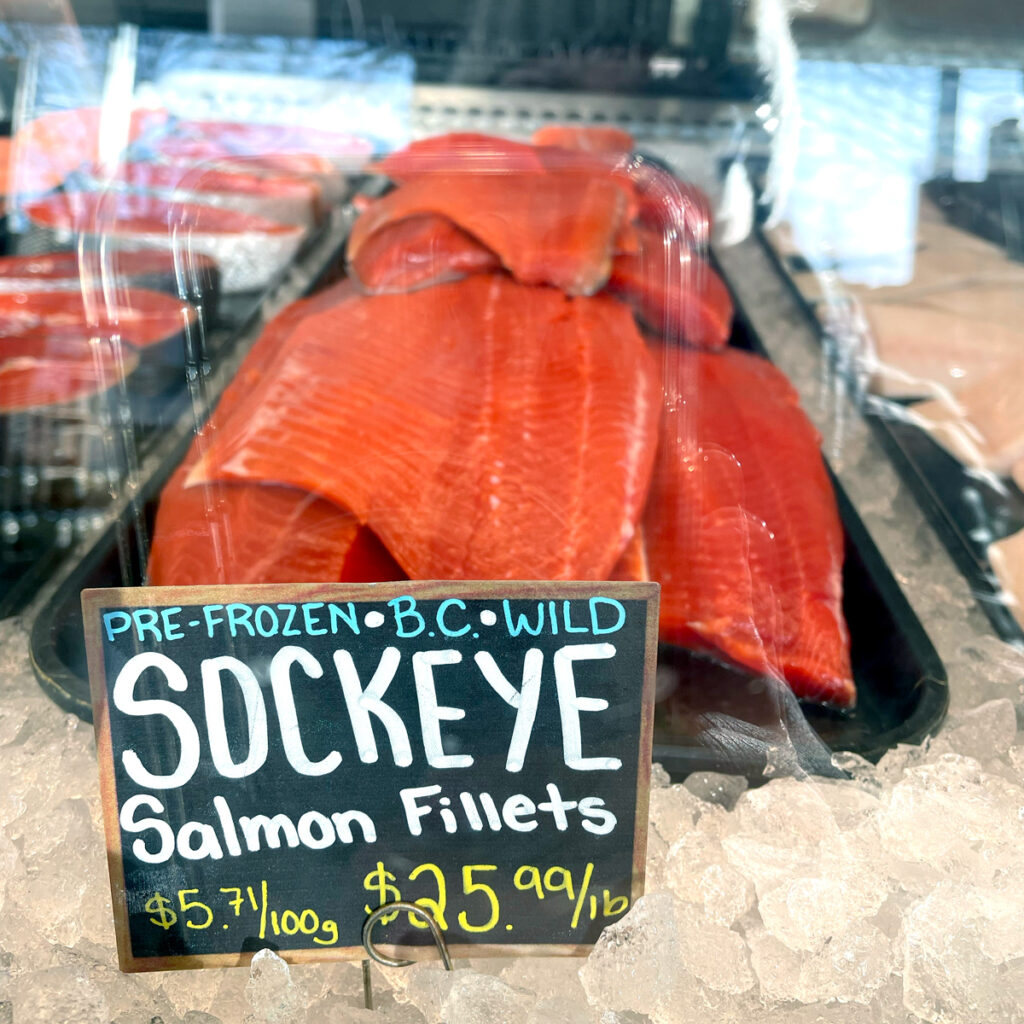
(922, 303)
(150, 225)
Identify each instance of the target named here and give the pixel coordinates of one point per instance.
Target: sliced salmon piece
(742, 528)
(36, 371)
(588, 138)
(675, 294)
(48, 148)
(140, 214)
(64, 269)
(557, 229)
(288, 198)
(482, 429)
(419, 251)
(248, 249)
(140, 317)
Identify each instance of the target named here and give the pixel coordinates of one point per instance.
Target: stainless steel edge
(445, 108)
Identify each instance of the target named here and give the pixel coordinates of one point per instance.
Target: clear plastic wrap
(253, 334)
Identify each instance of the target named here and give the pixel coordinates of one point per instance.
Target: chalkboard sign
(279, 761)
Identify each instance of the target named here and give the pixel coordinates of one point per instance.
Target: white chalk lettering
(132, 824)
(570, 705)
(284, 698)
(188, 736)
(431, 713)
(524, 700)
(212, 670)
(363, 703)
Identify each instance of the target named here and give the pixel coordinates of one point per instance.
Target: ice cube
(851, 967)
(938, 814)
(656, 863)
(14, 713)
(699, 873)
(803, 913)
(126, 995)
(770, 863)
(715, 788)
(10, 865)
(483, 999)
(68, 826)
(560, 1010)
(665, 960)
(673, 810)
(947, 976)
(982, 733)
(859, 769)
(546, 977)
(270, 992)
(850, 805)
(895, 761)
(790, 807)
(425, 985)
(985, 669)
(58, 994)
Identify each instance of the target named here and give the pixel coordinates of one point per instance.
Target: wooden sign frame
(164, 597)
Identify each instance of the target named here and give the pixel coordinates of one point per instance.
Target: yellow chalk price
(481, 910)
(198, 911)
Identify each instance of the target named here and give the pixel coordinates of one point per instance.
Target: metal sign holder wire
(387, 961)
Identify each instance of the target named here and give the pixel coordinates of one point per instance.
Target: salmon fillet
(633, 563)
(253, 533)
(675, 294)
(742, 529)
(482, 429)
(416, 252)
(474, 153)
(557, 229)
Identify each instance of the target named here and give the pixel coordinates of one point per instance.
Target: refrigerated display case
(718, 295)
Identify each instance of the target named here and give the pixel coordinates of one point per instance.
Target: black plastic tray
(902, 695)
(966, 511)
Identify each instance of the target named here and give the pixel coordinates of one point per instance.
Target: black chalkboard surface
(278, 761)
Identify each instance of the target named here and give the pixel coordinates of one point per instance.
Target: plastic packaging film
(258, 328)
(592, 410)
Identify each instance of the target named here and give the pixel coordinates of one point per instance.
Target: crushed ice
(892, 895)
